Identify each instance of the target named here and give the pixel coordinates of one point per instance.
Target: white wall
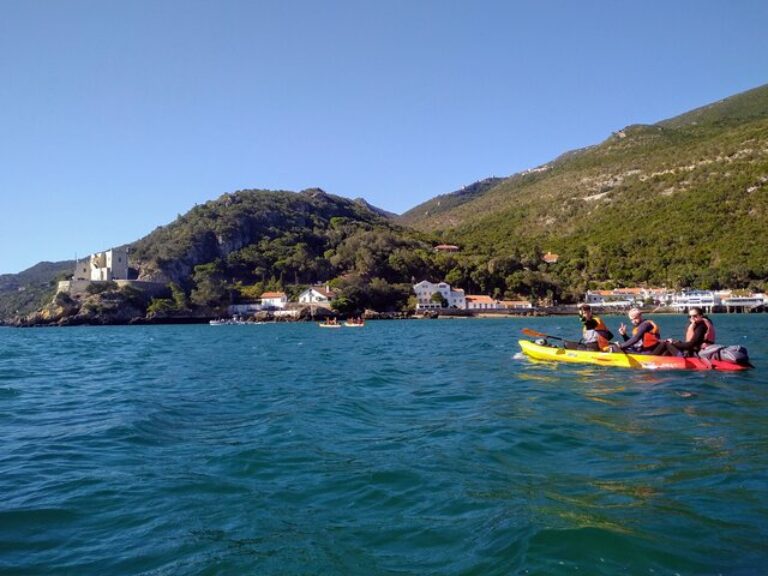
(117, 262)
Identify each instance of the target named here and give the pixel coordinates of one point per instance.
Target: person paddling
(595, 334)
(645, 335)
(699, 334)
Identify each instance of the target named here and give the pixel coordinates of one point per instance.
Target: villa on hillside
(550, 258)
(425, 291)
(446, 248)
(317, 295)
(456, 299)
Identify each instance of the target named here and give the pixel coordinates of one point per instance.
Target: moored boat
(226, 322)
(621, 360)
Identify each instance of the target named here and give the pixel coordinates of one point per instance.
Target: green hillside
(260, 235)
(234, 248)
(680, 203)
(432, 209)
(744, 107)
(23, 292)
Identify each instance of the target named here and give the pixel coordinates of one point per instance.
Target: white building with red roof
(274, 300)
(482, 302)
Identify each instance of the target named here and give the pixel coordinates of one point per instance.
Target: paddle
(535, 334)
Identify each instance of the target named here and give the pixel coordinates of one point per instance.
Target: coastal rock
(108, 307)
(315, 313)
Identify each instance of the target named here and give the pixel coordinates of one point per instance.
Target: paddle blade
(534, 333)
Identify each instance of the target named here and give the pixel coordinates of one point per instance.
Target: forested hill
(682, 202)
(31, 288)
(263, 236)
(247, 242)
(431, 210)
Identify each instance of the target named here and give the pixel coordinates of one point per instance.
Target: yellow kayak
(621, 360)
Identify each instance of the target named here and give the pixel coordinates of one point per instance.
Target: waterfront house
(627, 297)
(745, 303)
(707, 300)
(317, 295)
(517, 304)
(274, 300)
(453, 298)
(611, 299)
(480, 302)
(659, 296)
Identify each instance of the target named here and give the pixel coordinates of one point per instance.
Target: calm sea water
(404, 448)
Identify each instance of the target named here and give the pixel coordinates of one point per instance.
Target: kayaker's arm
(638, 337)
(623, 331)
(692, 345)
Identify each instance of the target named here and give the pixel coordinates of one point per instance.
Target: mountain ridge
(589, 202)
(680, 203)
(746, 106)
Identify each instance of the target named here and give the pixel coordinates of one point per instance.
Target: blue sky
(115, 117)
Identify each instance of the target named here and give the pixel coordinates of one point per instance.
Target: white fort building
(103, 266)
(108, 266)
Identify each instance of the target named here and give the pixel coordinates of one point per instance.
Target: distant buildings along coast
(112, 266)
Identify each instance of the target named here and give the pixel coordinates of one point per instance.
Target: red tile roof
(270, 295)
(480, 299)
(550, 258)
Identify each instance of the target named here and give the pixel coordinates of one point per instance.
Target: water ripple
(403, 448)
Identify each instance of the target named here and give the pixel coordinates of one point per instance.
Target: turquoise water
(403, 448)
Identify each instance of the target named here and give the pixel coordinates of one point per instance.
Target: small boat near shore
(552, 353)
(226, 322)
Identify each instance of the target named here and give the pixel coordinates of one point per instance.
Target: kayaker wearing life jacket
(697, 318)
(699, 334)
(595, 334)
(645, 334)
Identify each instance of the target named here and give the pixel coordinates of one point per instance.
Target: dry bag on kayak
(736, 354)
(711, 352)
